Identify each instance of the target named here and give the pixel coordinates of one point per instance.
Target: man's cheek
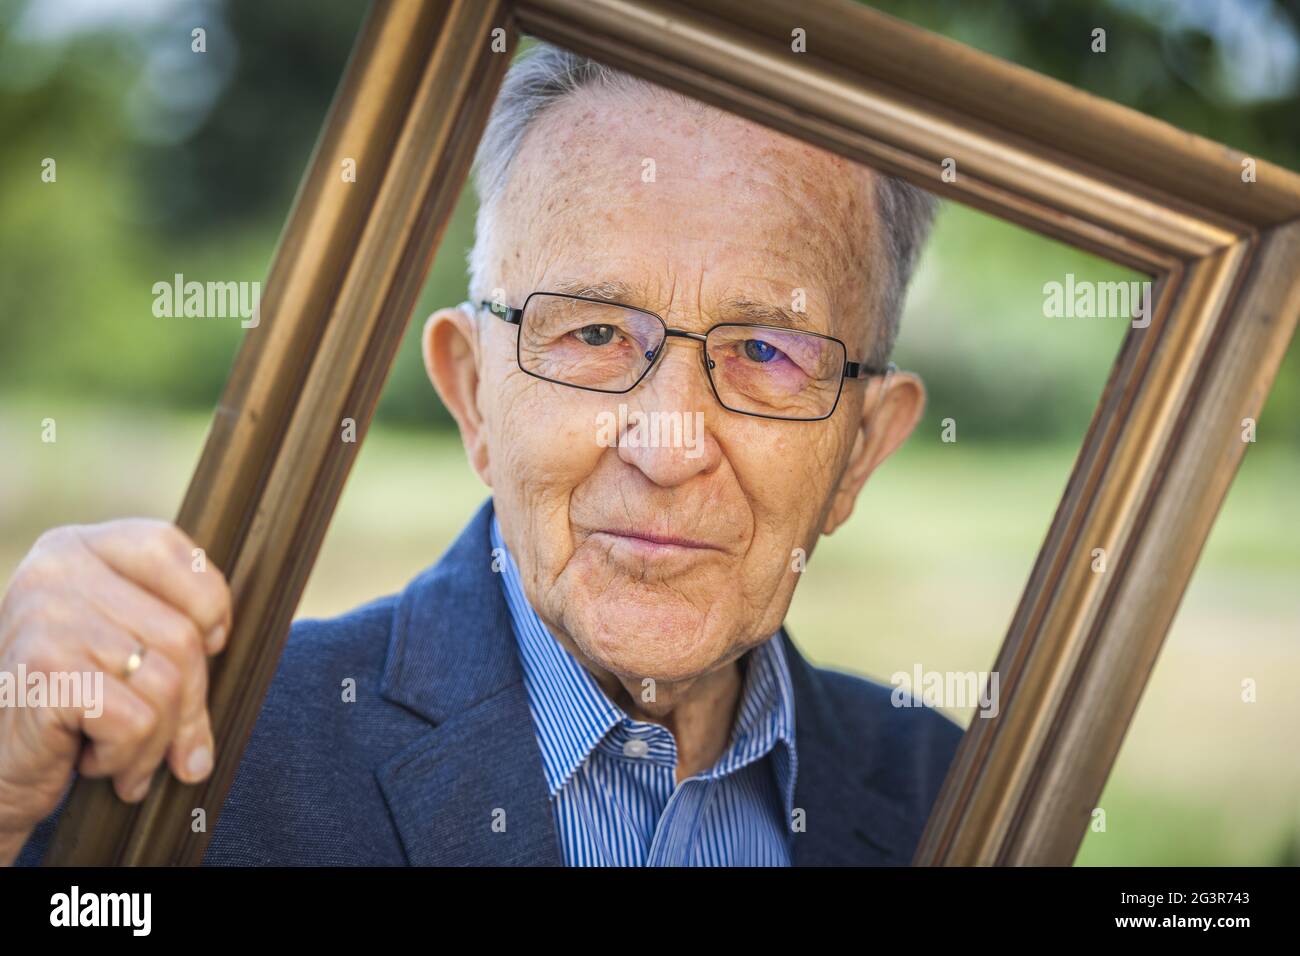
(799, 480)
(540, 449)
(787, 503)
(821, 462)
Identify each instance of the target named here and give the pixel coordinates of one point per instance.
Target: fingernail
(142, 790)
(200, 761)
(215, 638)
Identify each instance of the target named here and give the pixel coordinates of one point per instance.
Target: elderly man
(596, 672)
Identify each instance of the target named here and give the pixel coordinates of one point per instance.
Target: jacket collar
(453, 660)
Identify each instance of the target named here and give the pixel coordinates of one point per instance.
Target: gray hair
(548, 74)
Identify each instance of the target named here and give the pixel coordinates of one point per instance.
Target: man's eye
(759, 351)
(595, 334)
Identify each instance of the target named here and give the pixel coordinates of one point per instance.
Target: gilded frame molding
(1162, 449)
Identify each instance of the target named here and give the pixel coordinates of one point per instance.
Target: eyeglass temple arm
(513, 316)
(862, 370)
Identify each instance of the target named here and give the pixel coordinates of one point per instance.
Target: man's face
(664, 562)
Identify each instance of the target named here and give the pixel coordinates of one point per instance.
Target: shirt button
(636, 747)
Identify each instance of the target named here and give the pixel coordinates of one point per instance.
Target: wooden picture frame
(1162, 449)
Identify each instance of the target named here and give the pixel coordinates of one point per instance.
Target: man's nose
(669, 435)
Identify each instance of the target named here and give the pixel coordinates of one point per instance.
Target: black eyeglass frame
(852, 370)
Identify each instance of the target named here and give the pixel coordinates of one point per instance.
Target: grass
(928, 571)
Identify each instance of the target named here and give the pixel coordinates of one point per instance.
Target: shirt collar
(572, 714)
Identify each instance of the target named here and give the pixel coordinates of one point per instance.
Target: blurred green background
(170, 161)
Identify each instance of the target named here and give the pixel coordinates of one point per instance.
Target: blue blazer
(439, 738)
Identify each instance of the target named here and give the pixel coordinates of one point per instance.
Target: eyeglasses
(761, 370)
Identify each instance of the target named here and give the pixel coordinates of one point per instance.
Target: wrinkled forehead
(644, 188)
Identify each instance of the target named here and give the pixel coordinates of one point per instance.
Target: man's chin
(636, 642)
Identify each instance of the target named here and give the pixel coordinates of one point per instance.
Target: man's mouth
(651, 542)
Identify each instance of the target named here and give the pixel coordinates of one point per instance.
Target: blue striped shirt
(612, 779)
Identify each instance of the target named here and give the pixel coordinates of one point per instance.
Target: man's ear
(451, 358)
(886, 422)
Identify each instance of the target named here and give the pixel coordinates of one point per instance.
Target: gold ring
(133, 662)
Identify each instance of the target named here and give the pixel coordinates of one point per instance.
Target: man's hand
(123, 599)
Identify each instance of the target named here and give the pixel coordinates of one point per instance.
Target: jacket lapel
(847, 822)
(471, 791)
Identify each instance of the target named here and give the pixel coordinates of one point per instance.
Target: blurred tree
(172, 161)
